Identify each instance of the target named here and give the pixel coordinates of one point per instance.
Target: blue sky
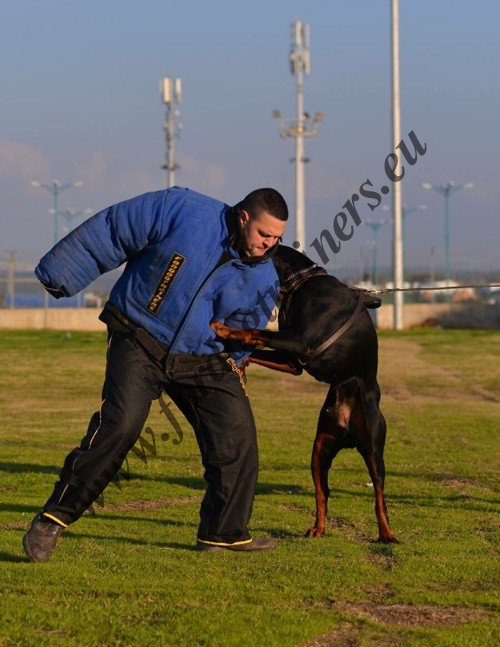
(80, 101)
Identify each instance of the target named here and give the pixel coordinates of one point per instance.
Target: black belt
(117, 321)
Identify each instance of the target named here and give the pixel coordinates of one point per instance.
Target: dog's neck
(288, 262)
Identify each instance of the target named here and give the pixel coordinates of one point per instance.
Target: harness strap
(311, 353)
(297, 278)
(293, 283)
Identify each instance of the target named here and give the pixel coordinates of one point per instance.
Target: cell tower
(303, 126)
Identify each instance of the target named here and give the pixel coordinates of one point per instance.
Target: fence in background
(446, 315)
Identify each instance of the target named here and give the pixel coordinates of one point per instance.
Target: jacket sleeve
(108, 239)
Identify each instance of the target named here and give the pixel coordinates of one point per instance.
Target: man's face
(260, 232)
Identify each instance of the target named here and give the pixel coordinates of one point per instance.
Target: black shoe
(41, 539)
(261, 543)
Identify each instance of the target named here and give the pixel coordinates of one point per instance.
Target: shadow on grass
(393, 474)
(19, 507)
(109, 516)
(134, 541)
(197, 483)
(8, 557)
(176, 545)
(435, 501)
(191, 482)
(465, 502)
(279, 533)
(280, 488)
(410, 499)
(20, 468)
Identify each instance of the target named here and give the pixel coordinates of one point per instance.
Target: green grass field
(129, 575)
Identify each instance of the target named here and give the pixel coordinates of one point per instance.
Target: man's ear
(244, 216)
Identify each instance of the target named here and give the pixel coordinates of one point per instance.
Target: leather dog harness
(292, 284)
(310, 353)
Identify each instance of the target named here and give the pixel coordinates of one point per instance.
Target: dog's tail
(349, 410)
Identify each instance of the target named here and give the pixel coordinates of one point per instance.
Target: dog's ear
(371, 301)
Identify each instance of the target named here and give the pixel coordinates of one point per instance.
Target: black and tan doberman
(325, 328)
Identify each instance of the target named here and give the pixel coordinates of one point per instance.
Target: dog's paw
(220, 329)
(315, 532)
(388, 539)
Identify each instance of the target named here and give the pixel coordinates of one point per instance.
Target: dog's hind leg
(371, 431)
(330, 439)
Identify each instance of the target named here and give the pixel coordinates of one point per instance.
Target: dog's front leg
(288, 341)
(248, 337)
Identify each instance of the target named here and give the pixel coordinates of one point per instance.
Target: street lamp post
(397, 242)
(69, 215)
(11, 278)
(405, 212)
(170, 89)
(375, 226)
(446, 191)
(304, 126)
(56, 188)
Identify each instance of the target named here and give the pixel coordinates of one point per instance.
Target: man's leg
(132, 381)
(214, 401)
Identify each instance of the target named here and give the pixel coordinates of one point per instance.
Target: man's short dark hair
(268, 200)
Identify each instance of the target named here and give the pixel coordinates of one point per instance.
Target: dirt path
(404, 371)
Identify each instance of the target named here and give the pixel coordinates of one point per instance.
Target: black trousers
(209, 393)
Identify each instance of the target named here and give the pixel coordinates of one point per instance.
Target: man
(191, 260)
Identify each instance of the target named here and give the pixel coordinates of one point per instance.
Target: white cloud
(94, 171)
(102, 179)
(104, 183)
(19, 164)
(323, 186)
(203, 176)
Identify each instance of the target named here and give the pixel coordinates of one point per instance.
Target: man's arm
(108, 239)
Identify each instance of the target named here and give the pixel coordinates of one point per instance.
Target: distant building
(92, 300)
